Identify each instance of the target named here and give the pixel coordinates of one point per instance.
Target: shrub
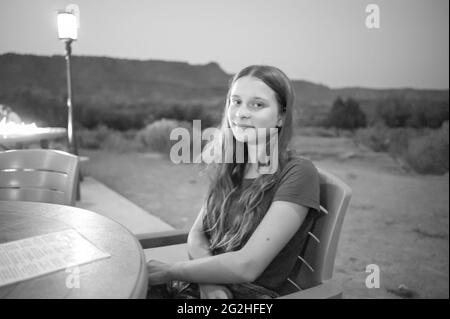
(375, 137)
(395, 112)
(156, 136)
(185, 112)
(92, 139)
(423, 150)
(116, 142)
(418, 113)
(430, 153)
(399, 139)
(346, 115)
(316, 131)
(107, 139)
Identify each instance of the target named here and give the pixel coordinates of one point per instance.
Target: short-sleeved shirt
(298, 183)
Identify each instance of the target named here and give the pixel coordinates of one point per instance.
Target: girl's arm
(198, 247)
(198, 244)
(280, 223)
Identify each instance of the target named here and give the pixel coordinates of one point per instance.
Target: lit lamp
(68, 32)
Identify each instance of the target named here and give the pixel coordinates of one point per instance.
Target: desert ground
(397, 219)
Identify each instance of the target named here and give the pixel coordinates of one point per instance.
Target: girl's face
(252, 105)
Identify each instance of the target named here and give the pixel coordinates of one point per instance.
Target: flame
(11, 128)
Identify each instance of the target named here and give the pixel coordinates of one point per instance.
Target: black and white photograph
(233, 150)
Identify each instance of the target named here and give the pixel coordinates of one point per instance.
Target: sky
(323, 41)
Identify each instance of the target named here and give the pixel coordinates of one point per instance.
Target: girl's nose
(242, 112)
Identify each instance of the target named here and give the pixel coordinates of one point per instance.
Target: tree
(346, 115)
(395, 111)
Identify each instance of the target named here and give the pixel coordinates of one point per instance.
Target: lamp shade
(67, 26)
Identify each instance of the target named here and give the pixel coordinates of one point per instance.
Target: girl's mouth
(243, 126)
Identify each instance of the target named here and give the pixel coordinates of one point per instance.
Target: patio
(100, 199)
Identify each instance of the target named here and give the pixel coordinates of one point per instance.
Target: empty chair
(312, 274)
(39, 175)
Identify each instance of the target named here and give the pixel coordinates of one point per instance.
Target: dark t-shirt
(299, 183)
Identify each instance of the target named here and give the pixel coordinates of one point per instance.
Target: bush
(92, 139)
(423, 150)
(395, 112)
(316, 131)
(417, 113)
(107, 139)
(137, 116)
(116, 142)
(376, 137)
(186, 113)
(430, 153)
(399, 139)
(346, 115)
(156, 136)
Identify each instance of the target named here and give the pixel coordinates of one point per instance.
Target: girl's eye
(258, 104)
(235, 102)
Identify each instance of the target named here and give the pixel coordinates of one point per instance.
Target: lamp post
(68, 32)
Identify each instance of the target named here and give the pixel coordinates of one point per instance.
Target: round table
(123, 275)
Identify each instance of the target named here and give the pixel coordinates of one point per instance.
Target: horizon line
(355, 86)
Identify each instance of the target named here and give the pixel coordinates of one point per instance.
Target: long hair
(226, 178)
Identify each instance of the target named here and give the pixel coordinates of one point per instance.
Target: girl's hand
(210, 291)
(158, 272)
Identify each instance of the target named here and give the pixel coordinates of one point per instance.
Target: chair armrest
(329, 289)
(165, 238)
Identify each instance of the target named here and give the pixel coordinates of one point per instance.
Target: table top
(123, 275)
(41, 133)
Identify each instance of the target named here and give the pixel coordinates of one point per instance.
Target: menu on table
(39, 255)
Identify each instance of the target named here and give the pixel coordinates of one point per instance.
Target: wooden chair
(314, 269)
(39, 175)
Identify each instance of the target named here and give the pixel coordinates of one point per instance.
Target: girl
(253, 224)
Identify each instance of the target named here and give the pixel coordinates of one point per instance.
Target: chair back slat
(33, 195)
(320, 251)
(39, 175)
(314, 237)
(34, 179)
(294, 284)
